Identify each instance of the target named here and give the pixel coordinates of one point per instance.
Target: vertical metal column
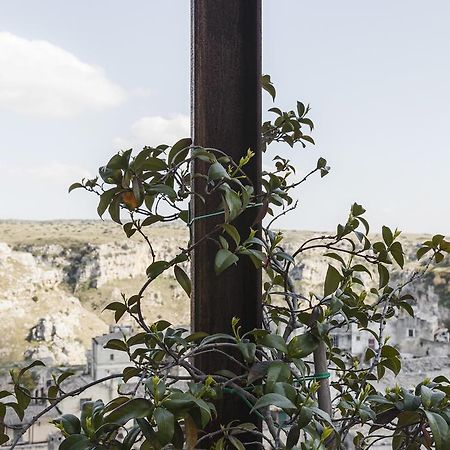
(226, 114)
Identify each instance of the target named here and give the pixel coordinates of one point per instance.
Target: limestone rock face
(52, 291)
(31, 294)
(93, 265)
(432, 293)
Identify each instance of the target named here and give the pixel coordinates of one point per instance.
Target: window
(111, 357)
(411, 332)
(358, 337)
(335, 340)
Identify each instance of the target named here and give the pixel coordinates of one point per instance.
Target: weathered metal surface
(226, 114)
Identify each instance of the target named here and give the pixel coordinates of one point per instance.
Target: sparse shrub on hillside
(276, 365)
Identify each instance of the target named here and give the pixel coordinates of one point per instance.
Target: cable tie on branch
(318, 376)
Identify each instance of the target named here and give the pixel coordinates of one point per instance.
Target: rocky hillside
(56, 277)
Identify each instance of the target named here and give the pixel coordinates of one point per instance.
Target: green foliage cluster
(275, 364)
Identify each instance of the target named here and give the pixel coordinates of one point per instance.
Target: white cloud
(41, 192)
(155, 130)
(52, 173)
(41, 79)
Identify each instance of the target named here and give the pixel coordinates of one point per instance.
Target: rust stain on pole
(226, 114)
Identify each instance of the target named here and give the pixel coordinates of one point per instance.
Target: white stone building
(101, 363)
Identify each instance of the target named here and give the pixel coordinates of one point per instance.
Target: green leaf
(178, 401)
(157, 268)
(119, 308)
(120, 160)
(179, 151)
(293, 436)
(236, 443)
(36, 363)
(257, 371)
(439, 429)
(248, 350)
(332, 280)
(387, 351)
(150, 220)
(110, 176)
(407, 307)
(105, 200)
(274, 341)
(136, 408)
(277, 372)
(217, 172)
(232, 232)
(308, 139)
(273, 400)
(115, 306)
(196, 336)
(23, 396)
(326, 433)
(165, 421)
(361, 268)
(388, 237)
(397, 253)
(53, 392)
(438, 257)
(76, 442)
(357, 210)
(393, 364)
(4, 394)
(69, 423)
(116, 344)
(161, 325)
(411, 402)
(301, 109)
(178, 438)
(268, 86)
(384, 275)
(17, 409)
(224, 259)
(75, 186)
(131, 437)
(162, 189)
(223, 242)
(128, 229)
(437, 239)
(305, 416)
(184, 215)
(422, 251)
(114, 209)
(130, 372)
(138, 190)
(302, 345)
(183, 279)
(335, 256)
(154, 164)
(64, 376)
(445, 246)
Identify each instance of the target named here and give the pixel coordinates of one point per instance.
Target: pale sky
(81, 80)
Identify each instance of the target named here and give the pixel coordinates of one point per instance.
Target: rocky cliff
(56, 277)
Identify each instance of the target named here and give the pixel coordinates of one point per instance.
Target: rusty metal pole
(226, 114)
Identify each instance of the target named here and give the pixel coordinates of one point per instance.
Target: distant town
(55, 281)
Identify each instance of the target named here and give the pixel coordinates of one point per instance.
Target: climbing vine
(171, 402)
